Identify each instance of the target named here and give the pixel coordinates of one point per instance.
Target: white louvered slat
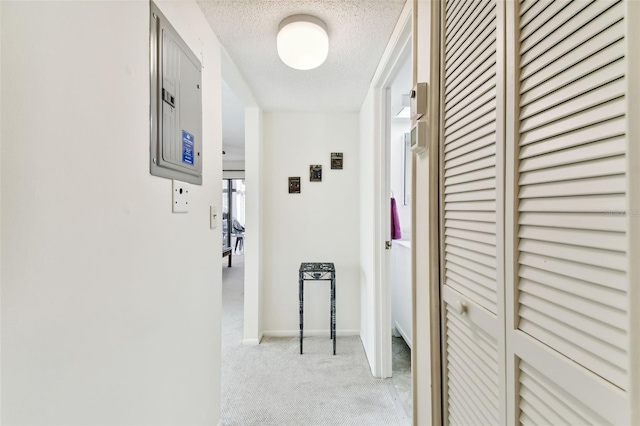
(482, 133)
(600, 167)
(594, 133)
(482, 163)
(538, 72)
(555, 16)
(457, 119)
(480, 80)
(485, 296)
(591, 221)
(534, 10)
(480, 282)
(603, 30)
(485, 114)
(471, 156)
(584, 238)
(593, 186)
(595, 309)
(486, 227)
(581, 91)
(477, 66)
(472, 92)
(583, 204)
(603, 112)
(487, 172)
(470, 216)
(471, 179)
(608, 278)
(567, 85)
(571, 249)
(472, 236)
(567, 321)
(471, 186)
(577, 288)
(545, 111)
(526, 5)
(552, 402)
(478, 14)
(482, 28)
(472, 377)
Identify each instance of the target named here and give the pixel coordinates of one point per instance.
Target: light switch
(180, 197)
(213, 217)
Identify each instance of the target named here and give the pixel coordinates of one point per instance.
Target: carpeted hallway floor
(272, 384)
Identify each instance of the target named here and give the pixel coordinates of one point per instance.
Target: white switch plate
(213, 217)
(180, 200)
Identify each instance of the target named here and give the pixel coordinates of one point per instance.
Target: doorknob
(462, 307)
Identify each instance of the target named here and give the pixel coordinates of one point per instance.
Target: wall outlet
(180, 199)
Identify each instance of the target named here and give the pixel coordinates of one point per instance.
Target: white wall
(400, 126)
(110, 303)
(233, 165)
(367, 231)
(318, 225)
(253, 246)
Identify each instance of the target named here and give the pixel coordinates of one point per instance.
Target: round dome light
(303, 42)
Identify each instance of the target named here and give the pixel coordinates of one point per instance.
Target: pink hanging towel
(396, 234)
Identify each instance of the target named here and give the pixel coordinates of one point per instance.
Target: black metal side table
(318, 272)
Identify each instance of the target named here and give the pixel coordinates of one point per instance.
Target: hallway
(271, 384)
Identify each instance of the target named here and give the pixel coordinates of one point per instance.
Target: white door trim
(398, 50)
(252, 333)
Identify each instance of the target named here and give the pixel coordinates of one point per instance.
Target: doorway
(233, 217)
(399, 175)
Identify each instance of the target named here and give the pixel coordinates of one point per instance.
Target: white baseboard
(252, 342)
(293, 333)
(406, 336)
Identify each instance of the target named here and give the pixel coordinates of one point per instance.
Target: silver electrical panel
(176, 104)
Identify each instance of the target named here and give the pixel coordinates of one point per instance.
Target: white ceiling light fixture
(303, 42)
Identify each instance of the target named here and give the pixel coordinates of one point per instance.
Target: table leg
(301, 299)
(333, 313)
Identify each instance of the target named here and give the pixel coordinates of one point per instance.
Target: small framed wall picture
(336, 161)
(294, 185)
(315, 173)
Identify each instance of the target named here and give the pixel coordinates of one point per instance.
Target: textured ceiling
(358, 34)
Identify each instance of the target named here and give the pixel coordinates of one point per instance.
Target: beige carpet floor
(272, 384)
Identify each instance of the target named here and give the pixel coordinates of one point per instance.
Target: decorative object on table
(315, 173)
(396, 233)
(336, 160)
(294, 185)
(318, 272)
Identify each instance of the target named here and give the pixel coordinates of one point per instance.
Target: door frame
(398, 50)
(252, 332)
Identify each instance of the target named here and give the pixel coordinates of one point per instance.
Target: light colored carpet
(272, 384)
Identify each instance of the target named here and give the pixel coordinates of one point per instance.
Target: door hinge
(387, 245)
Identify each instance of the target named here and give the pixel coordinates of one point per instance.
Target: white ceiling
(358, 34)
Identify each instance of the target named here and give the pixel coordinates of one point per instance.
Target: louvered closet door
(569, 333)
(472, 283)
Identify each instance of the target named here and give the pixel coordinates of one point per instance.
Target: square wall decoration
(336, 160)
(294, 185)
(315, 173)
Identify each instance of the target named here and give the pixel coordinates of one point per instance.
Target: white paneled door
(534, 221)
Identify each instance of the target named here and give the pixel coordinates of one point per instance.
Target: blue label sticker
(187, 148)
